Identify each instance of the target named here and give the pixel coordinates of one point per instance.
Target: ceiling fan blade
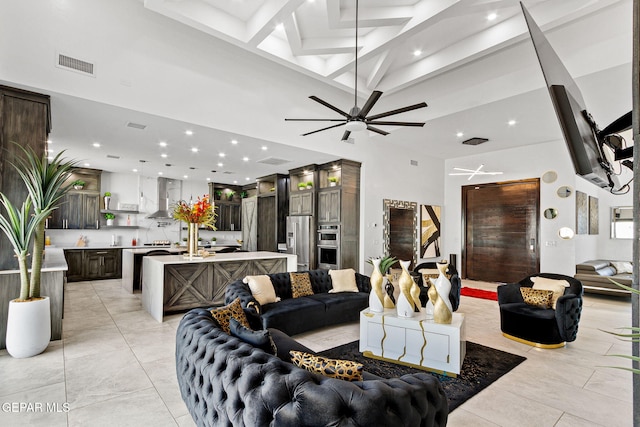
(328, 127)
(314, 120)
(345, 135)
(416, 124)
(373, 98)
(376, 130)
(398, 111)
(326, 104)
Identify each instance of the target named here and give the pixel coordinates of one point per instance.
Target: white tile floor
(115, 367)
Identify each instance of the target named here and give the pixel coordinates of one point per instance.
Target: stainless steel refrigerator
(299, 239)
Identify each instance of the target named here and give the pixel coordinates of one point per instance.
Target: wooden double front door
(500, 225)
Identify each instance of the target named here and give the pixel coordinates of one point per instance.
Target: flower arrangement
(201, 212)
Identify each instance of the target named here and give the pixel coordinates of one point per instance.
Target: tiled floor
(115, 367)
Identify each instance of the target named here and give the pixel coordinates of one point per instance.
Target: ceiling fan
(357, 118)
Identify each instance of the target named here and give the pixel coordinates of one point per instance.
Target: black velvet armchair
(540, 327)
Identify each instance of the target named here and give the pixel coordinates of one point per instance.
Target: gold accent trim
(424, 344)
(368, 314)
(534, 344)
(370, 355)
(384, 336)
(404, 353)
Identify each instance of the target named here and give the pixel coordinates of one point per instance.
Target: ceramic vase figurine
(407, 306)
(376, 296)
(442, 310)
(389, 298)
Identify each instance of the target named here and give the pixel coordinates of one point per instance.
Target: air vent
(475, 141)
(111, 156)
(136, 126)
(273, 161)
(75, 64)
(228, 173)
(414, 163)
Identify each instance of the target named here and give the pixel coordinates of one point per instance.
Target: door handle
(532, 245)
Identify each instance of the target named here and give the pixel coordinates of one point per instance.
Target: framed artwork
(593, 215)
(430, 231)
(582, 213)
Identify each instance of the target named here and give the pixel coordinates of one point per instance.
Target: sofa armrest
(568, 311)
(509, 293)
(251, 306)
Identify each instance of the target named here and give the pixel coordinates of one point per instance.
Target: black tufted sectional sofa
(297, 315)
(227, 382)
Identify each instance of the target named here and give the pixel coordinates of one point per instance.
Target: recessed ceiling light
(96, 144)
(492, 16)
(280, 27)
(208, 179)
(188, 132)
(264, 148)
(417, 52)
(221, 154)
(245, 159)
(87, 165)
(220, 165)
(49, 141)
(163, 155)
(185, 176)
(511, 122)
(234, 141)
(162, 144)
(247, 179)
(194, 149)
(159, 173)
(134, 170)
(235, 182)
(459, 134)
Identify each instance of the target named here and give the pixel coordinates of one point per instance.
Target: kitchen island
(174, 283)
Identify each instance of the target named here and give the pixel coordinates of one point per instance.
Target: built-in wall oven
(329, 247)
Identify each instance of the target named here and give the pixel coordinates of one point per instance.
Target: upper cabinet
(227, 199)
(302, 190)
(80, 207)
(272, 210)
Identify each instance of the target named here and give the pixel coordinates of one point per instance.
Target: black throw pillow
(259, 339)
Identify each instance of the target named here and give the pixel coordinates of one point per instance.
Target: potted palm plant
(29, 322)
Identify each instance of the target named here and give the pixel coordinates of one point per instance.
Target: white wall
(556, 255)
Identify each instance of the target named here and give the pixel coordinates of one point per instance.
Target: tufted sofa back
(225, 381)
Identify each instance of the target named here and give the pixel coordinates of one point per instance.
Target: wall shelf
(115, 211)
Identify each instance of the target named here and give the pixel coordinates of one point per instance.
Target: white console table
(413, 341)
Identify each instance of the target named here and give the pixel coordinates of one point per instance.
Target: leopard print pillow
(332, 368)
(224, 314)
(538, 297)
(300, 285)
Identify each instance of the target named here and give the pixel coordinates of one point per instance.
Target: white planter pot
(28, 327)
(109, 222)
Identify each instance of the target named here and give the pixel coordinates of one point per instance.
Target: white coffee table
(414, 341)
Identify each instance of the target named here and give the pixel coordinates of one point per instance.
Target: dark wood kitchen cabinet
(79, 209)
(93, 264)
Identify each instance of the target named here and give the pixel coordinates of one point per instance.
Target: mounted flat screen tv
(591, 158)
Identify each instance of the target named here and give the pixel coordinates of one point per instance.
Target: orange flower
(201, 212)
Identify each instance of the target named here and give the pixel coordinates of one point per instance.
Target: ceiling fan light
(356, 126)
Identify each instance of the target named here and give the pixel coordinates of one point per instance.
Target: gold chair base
(534, 344)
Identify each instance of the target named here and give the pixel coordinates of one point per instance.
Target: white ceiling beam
(264, 21)
(293, 33)
(380, 68)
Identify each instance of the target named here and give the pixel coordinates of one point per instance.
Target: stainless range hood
(169, 191)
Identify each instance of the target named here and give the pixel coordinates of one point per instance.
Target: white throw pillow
(622, 267)
(262, 289)
(343, 281)
(557, 286)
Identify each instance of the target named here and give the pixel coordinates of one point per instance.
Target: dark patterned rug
(481, 367)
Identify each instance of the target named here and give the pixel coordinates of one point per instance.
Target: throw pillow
(233, 310)
(261, 289)
(557, 286)
(332, 368)
(622, 267)
(538, 297)
(343, 281)
(300, 285)
(259, 339)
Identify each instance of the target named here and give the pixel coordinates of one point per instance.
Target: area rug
(481, 367)
(479, 293)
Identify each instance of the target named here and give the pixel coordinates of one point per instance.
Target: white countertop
(232, 256)
(53, 261)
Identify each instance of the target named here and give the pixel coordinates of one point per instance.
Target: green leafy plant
(333, 179)
(107, 194)
(230, 194)
(78, 183)
(213, 239)
(302, 185)
(109, 215)
(386, 262)
(243, 194)
(45, 182)
(309, 184)
(632, 334)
